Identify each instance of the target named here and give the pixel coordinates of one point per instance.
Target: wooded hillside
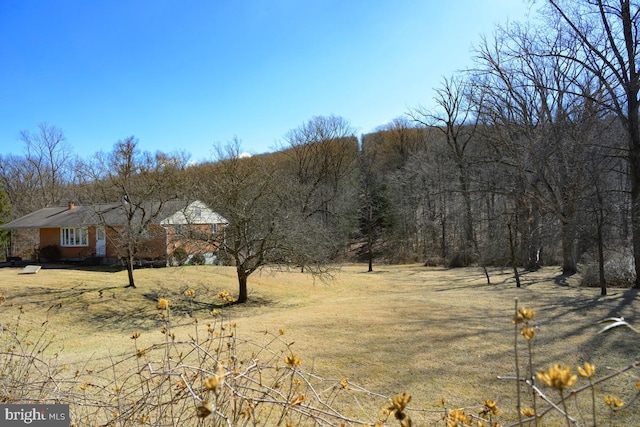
(531, 157)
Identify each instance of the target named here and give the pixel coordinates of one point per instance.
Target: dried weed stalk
(212, 378)
(215, 378)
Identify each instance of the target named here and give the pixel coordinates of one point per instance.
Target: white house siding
(195, 213)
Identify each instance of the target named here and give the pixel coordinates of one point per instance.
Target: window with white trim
(74, 236)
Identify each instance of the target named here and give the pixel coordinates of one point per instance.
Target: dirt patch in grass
(432, 332)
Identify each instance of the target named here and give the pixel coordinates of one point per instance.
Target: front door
(101, 242)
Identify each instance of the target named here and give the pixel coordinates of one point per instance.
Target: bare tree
(457, 120)
(51, 160)
(266, 226)
(319, 166)
(142, 184)
(20, 184)
(40, 177)
(608, 35)
(322, 156)
(532, 103)
(5, 216)
(401, 141)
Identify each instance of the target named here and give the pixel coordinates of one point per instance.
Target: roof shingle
(113, 214)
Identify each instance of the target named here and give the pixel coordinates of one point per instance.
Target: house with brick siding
(98, 233)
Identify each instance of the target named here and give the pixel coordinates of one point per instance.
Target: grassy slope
(432, 332)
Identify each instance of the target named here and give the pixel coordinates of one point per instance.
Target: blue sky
(184, 75)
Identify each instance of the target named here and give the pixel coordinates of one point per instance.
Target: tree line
(530, 157)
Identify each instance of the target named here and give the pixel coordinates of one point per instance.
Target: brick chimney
(71, 205)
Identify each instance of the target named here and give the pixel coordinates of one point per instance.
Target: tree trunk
(602, 279)
(632, 87)
(635, 220)
(533, 240)
(512, 249)
(129, 263)
(443, 237)
(468, 216)
(634, 166)
(243, 295)
(568, 249)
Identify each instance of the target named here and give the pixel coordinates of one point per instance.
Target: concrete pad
(30, 269)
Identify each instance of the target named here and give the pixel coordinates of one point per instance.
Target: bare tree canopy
(268, 223)
(41, 176)
(608, 38)
(142, 183)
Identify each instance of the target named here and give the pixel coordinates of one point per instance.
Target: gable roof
(195, 213)
(113, 214)
(61, 216)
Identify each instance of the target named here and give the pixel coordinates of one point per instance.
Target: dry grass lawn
(432, 332)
